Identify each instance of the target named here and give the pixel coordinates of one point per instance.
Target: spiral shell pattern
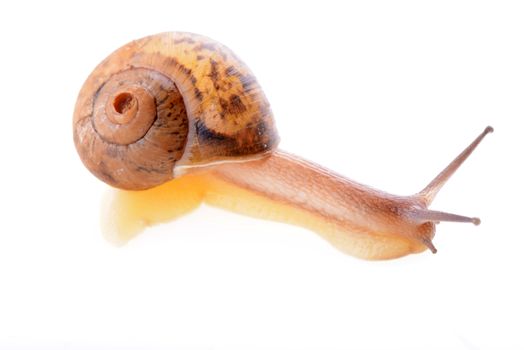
(165, 101)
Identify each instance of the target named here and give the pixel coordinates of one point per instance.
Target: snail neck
(356, 219)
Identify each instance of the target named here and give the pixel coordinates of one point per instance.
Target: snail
(176, 119)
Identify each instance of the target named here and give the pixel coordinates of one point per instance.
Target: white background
(386, 93)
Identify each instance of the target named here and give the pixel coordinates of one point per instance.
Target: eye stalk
(431, 190)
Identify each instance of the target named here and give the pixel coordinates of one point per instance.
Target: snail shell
(168, 101)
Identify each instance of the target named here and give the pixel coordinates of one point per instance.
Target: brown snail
(180, 105)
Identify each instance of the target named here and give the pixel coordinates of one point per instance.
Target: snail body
(334, 217)
(184, 107)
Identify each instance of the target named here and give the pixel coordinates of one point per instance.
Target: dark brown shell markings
(172, 99)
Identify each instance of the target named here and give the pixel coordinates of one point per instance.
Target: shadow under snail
(181, 118)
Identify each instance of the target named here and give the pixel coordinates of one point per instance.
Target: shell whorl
(169, 100)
